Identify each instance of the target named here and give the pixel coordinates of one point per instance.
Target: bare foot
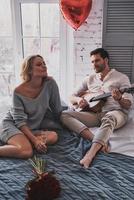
(90, 155)
(86, 160)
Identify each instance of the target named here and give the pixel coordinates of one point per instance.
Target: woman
(36, 102)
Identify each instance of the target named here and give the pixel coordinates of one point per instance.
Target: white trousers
(106, 121)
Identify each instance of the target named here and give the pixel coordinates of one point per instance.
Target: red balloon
(75, 12)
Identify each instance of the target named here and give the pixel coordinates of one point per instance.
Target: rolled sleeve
(126, 84)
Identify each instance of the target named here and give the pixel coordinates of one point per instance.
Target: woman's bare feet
(90, 155)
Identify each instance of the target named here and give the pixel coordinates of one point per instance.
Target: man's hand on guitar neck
(125, 103)
(116, 94)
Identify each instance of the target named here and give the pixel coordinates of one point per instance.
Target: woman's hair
(26, 68)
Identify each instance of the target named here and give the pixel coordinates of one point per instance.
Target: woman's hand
(40, 144)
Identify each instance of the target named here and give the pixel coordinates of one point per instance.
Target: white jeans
(107, 122)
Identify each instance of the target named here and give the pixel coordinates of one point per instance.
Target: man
(114, 112)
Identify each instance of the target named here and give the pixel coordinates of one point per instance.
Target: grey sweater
(33, 112)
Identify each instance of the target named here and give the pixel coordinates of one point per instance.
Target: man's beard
(99, 68)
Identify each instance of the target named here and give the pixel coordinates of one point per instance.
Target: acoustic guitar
(95, 101)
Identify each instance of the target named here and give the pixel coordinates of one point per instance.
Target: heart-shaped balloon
(75, 12)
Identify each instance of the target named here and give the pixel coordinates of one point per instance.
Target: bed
(110, 177)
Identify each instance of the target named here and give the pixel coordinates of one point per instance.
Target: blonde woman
(36, 104)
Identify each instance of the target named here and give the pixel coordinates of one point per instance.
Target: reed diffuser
(44, 186)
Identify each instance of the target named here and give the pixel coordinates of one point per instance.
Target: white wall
(87, 38)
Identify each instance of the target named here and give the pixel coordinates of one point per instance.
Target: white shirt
(113, 80)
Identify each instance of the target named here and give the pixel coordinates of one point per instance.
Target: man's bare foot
(86, 160)
(90, 155)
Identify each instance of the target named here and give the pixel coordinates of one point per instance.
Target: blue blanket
(110, 177)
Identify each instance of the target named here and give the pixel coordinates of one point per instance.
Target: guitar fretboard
(102, 96)
(105, 95)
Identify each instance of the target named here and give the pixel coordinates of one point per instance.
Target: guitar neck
(102, 96)
(105, 95)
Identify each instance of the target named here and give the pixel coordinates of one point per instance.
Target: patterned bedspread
(111, 176)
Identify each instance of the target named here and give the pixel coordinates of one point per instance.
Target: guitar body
(95, 106)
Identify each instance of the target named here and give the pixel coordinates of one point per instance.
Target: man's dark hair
(103, 53)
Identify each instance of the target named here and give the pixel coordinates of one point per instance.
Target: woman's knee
(22, 144)
(25, 152)
(52, 137)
